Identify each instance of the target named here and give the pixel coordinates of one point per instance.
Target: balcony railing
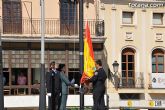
(53, 27)
(130, 82)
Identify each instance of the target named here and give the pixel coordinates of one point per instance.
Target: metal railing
(129, 82)
(56, 27)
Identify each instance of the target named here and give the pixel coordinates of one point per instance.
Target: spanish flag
(89, 63)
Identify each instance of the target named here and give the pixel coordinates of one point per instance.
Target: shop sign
(158, 80)
(157, 103)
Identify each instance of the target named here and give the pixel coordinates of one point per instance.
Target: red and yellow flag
(89, 63)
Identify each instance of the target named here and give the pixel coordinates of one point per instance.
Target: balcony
(130, 82)
(53, 27)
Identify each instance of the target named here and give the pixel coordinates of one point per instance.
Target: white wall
(33, 101)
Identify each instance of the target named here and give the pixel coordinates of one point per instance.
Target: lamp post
(1, 74)
(115, 67)
(42, 98)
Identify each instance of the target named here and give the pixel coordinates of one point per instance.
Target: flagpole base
(81, 97)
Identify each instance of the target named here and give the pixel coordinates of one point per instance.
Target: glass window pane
(130, 82)
(130, 74)
(130, 58)
(157, 18)
(68, 11)
(5, 77)
(130, 66)
(16, 72)
(12, 12)
(160, 68)
(127, 17)
(160, 59)
(74, 73)
(35, 75)
(153, 68)
(123, 58)
(123, 73)
(123, 66)
(124, 82)
(153, 59)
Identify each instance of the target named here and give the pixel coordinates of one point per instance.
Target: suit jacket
(65, 83)
(98, 80)
(53, 81)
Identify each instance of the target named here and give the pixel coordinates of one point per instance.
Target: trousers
(98, 98)
(63, 101)
(54, 102)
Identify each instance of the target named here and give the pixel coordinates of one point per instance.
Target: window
(5, 77)
(128, 67)
(127, 17)
(74, 73)
(127, 96)
(16, 72)
(35, 80)
(68, 17)
(12, 16)
(158, 61)
(157, 18)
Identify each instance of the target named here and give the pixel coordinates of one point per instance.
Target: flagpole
(42, 97)
(1, 73)
(81, 45)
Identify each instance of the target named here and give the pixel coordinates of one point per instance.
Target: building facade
(131, 32)
(20, 33)
(135, 31)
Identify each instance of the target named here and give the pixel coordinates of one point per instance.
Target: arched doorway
(158, 61)
(128, 67)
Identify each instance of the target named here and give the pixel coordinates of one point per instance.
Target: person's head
(56, 66)
(61, 67)
(98, 64)
(52, 65)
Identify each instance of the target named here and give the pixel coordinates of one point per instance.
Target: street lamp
(115, 78)
(115, 67)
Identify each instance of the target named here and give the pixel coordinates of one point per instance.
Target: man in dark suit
(98, 81)
(53, 84)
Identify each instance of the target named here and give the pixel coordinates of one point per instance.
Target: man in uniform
(98, 81)
(53, 84)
